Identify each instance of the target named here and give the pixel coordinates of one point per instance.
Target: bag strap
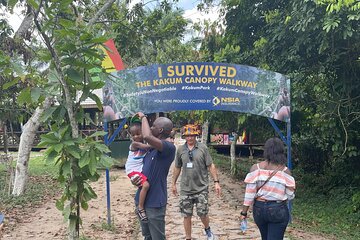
(271, 175)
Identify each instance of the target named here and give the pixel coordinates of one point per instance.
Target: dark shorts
(187, 203)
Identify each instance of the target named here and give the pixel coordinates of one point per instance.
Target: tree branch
(342, 123)
(101, 11)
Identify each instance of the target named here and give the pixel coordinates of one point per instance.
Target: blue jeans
(271, 218)
(154, 229)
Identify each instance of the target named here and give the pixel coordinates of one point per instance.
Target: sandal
(141, 214)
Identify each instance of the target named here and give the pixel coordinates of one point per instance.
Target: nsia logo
(225, 101)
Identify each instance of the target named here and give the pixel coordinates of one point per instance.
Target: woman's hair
(274, 151)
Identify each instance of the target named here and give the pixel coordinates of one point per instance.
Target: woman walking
(269, 185)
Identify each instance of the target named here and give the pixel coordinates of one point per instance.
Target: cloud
(14, 19)
(196, 16)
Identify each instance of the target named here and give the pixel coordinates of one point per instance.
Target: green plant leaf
(47, 113)
(35, 94)
(107, 161)
(96, 99)
(58, 147)
(59, 204)
(102, 148)
(92, 163)
(73, 187)
(84, 160)
(74, 75)
(84, 205)
(33, 4)
(74, 151)
(98, 134)
(24, 96)
(51, 156)
(10, 84)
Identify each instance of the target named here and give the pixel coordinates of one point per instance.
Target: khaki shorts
(187, 203)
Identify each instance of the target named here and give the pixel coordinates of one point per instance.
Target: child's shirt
(134, 162)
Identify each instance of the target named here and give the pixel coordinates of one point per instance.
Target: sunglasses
(191, 156)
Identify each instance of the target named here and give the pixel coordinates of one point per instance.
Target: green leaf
(102, 148)
(65, 3)
(74, 151)
(63, 131)
(35, 94)
(74, 75)
(58, 147)
(33, 4)
(69, 142)
(84, 205)
(84, 160)
(89, 193)
(12, 3)
(49, 137)
(66, 168)
(66, 23)
(51, 157)
(53, 76)
(73, 187)
(99, 40)
(24, 96)
(96, 99)
(107, 161)
(96, 84)
(59, 204)
(98, 133)
(42, 144)
(47, 113)
(92, 163)
(10, 84)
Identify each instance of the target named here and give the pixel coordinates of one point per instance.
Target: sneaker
(209, 234)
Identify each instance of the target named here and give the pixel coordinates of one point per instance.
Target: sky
(189, 6)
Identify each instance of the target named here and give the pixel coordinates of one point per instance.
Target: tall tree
(317, 44)
(70, 49)
(147, 36)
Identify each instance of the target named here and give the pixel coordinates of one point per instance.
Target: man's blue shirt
(156, 168)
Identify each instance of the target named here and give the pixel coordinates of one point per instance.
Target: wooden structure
(251, 149)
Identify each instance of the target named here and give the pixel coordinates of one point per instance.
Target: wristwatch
(243, 214)
(216, 181)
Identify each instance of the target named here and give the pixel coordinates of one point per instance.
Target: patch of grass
(326, 214)
(105, 226)
(242, 165)
(113, 178)
(41, 183)
(108, 227)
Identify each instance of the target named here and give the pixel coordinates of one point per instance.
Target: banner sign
(197, 86)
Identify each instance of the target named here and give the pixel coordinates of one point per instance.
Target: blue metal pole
(106, 141)
(288, 140)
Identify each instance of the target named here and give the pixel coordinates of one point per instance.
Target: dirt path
(46, 222)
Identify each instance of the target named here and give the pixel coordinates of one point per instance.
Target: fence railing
(13, 139)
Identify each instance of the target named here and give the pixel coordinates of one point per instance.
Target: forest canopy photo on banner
(196, 86)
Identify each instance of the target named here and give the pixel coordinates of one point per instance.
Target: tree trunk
(205, 132)
(233, 154)
(5, 139)
(26, 141)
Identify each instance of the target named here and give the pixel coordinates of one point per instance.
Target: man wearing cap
(194, 159)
